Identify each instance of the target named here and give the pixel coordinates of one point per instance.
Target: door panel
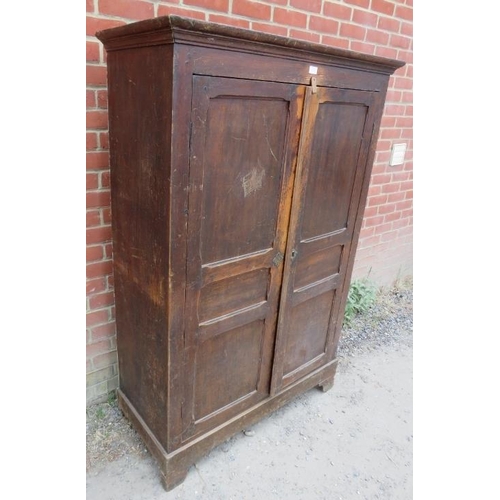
(333, 152)
(244, 135)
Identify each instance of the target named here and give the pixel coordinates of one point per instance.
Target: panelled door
(336, 132)
(243, 145)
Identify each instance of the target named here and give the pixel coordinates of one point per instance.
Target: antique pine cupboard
(240, 164)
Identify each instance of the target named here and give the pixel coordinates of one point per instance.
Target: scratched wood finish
(237, 200)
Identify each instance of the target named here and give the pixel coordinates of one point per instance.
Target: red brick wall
(380, 27)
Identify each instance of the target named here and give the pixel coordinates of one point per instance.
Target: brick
(309, 5)
(374, 221)
(381, 178)
(384, 146)
(97, 199)
(376, 36)
(91, 141)
(387, 122)
(404, 12)
(220, 5)
(400, 223)
(106, 215)
(97, 160)
(403, 83)
(337, 11)
(406, 121)
(352, 31)
(386, 209)
(383, 7)
(97, 392)
(399, 41)
(97, 376)
(400, 176)
(377, 200)
(96, 318)
(391, 188)
(104, 140)
(92, 52)
(91, 98)
(383, 228)
(256, 10)
(388, 236)
(364, 18)
(404, 205)
(369, 242)
(370, 212)
(96, 269)
(92, 181)
(335, 42)
(164, 10)
(407, 214)
(386, 52)
(365, 48)
(395, 197)
(97, 120)
(360, 3)
(111, 282)
(366, 232)
(406, 185)
(105, 359)
(407, 29)
(406, 56)
(318, 23)
(407, 97)
(96, 285)
(104, 180)
(230, 21)
(392, 217)
(393, 96)
(278, 2)
(93, 218)
(94, 253)
(390, 133)
(383, 156)
(102, 99)
(374, 190)
(97, 347)
(130, 9)
(290, 18)
(304, 35)
(388, 24)
(102, 300)
(96, 75)
(270, 28)
(409, 70)
(100, 234)
(108, 250)
(90, 5)
(394, 110)
(95, 24)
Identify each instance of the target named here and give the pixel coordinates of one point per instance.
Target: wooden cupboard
(240, 164)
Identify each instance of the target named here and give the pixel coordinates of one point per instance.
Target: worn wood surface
(238, 192)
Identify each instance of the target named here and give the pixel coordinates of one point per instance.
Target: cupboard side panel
(139, 121)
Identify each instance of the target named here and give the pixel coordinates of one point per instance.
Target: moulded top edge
(172, 28)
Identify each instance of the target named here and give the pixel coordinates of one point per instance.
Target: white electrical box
(397, 154)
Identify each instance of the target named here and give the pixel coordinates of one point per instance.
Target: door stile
(310, 109)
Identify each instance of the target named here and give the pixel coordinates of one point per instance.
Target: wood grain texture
(238, 192)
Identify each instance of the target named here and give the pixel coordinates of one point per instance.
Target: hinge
(313, 85)
(278, 259)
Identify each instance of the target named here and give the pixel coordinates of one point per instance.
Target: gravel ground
(389, 322)
(365, 419)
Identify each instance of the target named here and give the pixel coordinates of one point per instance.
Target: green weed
(361, 296)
